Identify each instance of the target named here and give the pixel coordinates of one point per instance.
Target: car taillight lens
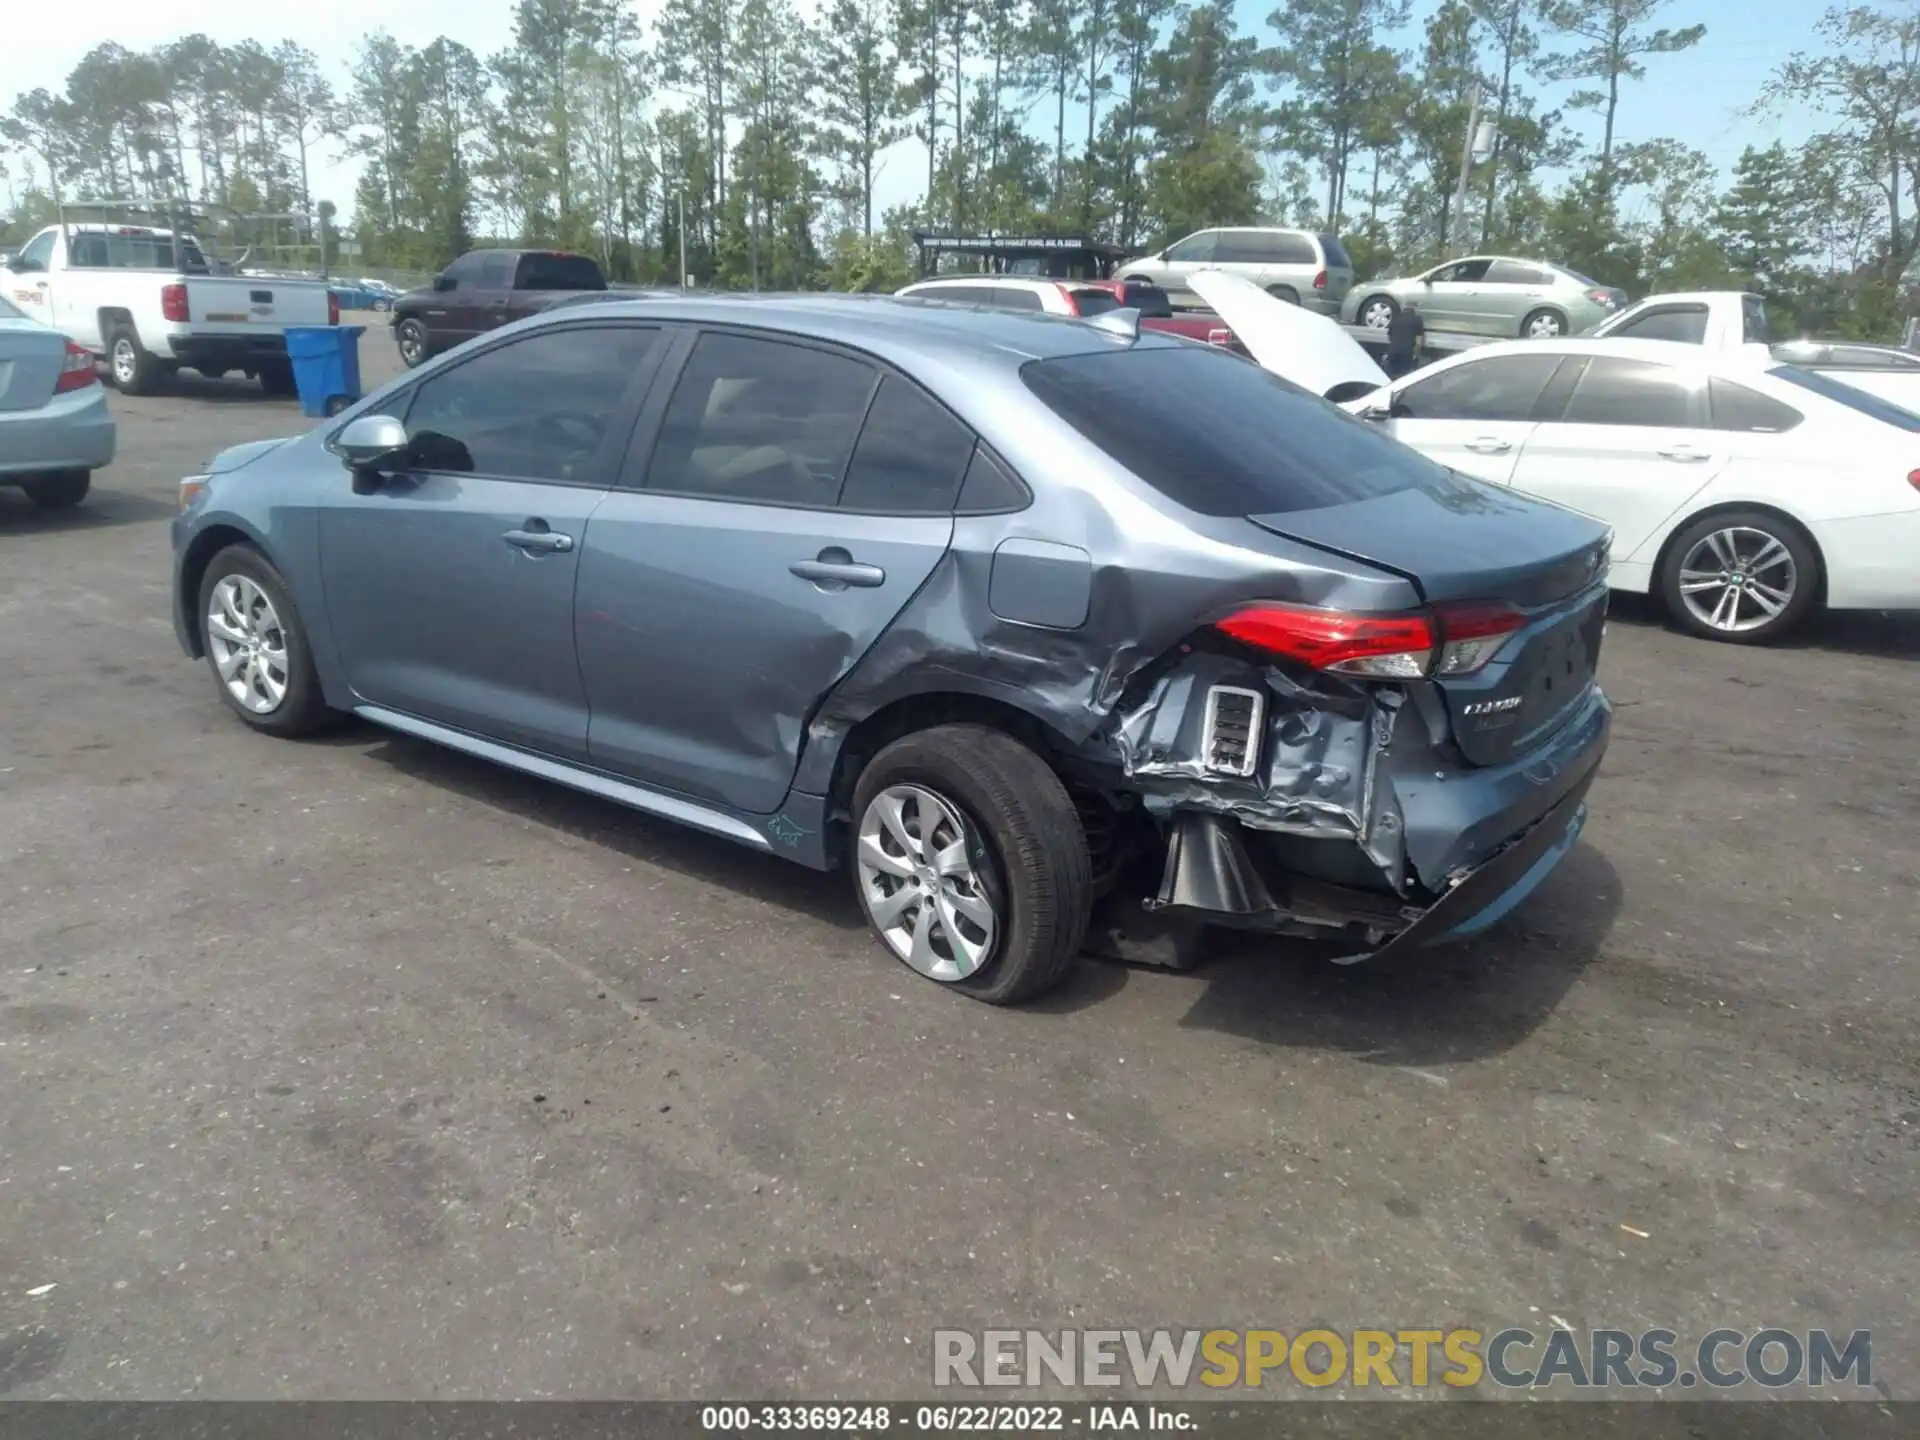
(1913, 478)
(173, 303)
(333, 308)
(1382, 647)
(76, 370)
(1456, 640)
(1320, 281)
(1601, 297)
(1471, 634)
(1220, 337)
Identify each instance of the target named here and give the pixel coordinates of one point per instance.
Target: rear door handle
(1490, 445)
(539, 542)
(835, 569)
(1684, 454)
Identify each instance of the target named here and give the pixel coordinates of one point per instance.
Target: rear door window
(1633, 392)
(1684, 323)
(541, 271)
(1200, 427)
(1735, 407)
(1017, 297)
(762, 421)
(1195, 248)
(1501, 387)
(911, 455)
(1512, 272)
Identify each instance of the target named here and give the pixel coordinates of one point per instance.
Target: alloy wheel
(921, 886)
(1737, 579)
(126, 365)
(412, 344)
(248, 644)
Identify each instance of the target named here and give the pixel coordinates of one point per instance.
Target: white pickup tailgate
(229, 303)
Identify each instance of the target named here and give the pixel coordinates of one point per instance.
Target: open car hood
(1295, 344)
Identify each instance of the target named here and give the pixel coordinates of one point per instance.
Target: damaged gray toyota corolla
(1012, 618)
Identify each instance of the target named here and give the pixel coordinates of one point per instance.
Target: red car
(1080, 298)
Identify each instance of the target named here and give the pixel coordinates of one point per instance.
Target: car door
(1475, 415)
(28, 284)
(1449, 296)
(1633, 444)
(1508, 293)
(1179, 261)
(450, 583)
(489, 305)
(750, 556)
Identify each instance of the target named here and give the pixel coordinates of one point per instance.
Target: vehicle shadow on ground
(1892, 633)
(102, 509)
(1441, 1005)
(638, 836)
(233, 390)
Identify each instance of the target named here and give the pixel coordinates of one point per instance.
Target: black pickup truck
(483, 290)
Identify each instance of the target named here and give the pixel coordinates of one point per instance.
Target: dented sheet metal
(1324, 751)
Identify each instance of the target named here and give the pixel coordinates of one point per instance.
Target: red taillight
(1320, 281)
(76, 370)
(1913, 479)
(1382, 647)
(1471, 634)
(1220, 337)
(173, 303)
(1386, 647)
(333, 308)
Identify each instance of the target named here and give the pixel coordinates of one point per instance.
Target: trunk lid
(1295, 344)
(30, 359)
(1458, 540)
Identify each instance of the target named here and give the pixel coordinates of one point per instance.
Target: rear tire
(1004, 843)
(1285, 294)
(1543, 324)
(135, 371)
(1722, 572)
(265, 655)
(276, 378)
(60, 491)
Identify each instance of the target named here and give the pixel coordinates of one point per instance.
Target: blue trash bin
(326, 366)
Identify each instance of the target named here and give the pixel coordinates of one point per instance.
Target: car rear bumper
(229, 352)
(1870, 561)
(73, 432)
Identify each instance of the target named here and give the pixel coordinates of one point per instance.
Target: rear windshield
(1336, 255)
(1220, 436)
(1095, 302)
(558, 272)
(1586, 280)
(1150, 300)
(1842, 393)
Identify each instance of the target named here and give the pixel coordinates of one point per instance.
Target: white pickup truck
(150, 305)
(1733, 319)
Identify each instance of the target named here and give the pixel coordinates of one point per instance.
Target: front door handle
(834, 569)
(1490, 445)
(539, 542)
(1685, 454)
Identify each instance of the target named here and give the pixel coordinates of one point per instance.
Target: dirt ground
(358, 1068)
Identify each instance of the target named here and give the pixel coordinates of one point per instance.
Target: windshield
(1841, 393)
(1220, 436)
(558, 272)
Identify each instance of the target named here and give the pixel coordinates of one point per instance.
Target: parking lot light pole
(682, 195)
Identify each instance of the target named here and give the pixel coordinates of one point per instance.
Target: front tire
(61, 491)
(1377, 313)
(1745, 577)
(971, 863)
(1543, 324)
(411, 337)
(257, 646)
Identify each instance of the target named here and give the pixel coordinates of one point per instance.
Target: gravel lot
(357, 1068)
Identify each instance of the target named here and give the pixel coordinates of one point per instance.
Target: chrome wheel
(126, 363)
(249, 646)
(920, 886)
(413, 343)
(1737, 579)
(1377, 314)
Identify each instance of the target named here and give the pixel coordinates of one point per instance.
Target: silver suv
(1297, 266)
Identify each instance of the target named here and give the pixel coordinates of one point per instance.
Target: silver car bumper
(71, 432)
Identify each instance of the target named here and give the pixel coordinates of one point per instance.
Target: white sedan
(1741, 490)
(55, 429)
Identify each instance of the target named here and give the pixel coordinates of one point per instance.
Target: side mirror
(1376, 412)
(443, 283)
(370, 441)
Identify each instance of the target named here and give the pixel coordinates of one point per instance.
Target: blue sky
(1697, 96)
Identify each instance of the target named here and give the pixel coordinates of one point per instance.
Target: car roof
(918, 334)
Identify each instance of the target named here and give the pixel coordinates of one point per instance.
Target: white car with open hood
(1741, 490)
